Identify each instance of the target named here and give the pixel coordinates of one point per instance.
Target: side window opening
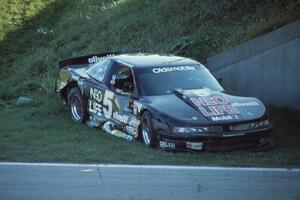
(123, 80)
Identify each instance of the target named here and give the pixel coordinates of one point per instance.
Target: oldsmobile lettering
(172, 69)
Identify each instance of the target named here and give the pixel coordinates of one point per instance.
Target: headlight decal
(215, 129)
(197, 129)
(251, 126)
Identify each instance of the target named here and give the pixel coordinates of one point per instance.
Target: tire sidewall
(152, 136)
(73, 93)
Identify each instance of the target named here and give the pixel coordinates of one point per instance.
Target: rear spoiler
(88, 59)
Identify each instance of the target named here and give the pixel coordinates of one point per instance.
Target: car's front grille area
(226, 142)
(239, 142)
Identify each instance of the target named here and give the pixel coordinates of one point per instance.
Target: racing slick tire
(148, 135)
(77, 106)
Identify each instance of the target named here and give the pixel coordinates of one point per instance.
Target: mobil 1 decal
(216, 107)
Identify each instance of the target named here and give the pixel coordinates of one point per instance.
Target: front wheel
(147, 132)
(77, 106)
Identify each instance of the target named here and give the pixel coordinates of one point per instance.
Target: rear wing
(86, 60)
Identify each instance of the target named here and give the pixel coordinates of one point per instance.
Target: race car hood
(207, 107)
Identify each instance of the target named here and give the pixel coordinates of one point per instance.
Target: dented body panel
(189, 118)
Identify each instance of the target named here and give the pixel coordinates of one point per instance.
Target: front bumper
(256, 141)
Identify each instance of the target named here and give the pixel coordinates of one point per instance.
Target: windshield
(163, 80)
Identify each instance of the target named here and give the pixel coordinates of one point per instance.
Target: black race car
(166, 101)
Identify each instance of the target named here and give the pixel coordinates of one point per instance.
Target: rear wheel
(77, 106)
(147, 133)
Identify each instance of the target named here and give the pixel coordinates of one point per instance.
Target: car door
(111, 100)
(123, 87)
(98, 94)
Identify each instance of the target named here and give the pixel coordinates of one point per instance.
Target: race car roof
(150, 60)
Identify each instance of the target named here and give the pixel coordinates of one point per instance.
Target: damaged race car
(166, 101)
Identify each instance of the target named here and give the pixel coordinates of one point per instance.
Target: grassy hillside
(64, 28)
(36, 34)
(14, 13)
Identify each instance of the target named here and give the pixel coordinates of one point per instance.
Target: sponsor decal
(94, 104)
(210, 100)
(164, 144)
(97, 99)
(96, 94)
(121, 134)
(95, 107)
(120, 118)
(96, 59)
(225, 117)
(239, 104)
(218, 110)
(108, 127)
(172, 69)
(132, 131)
(216, 107)
(134, 122)
(194, 145)
(233, 135)
(137, 107)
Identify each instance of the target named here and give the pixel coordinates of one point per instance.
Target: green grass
(36, 135)
(33, 135)
(36, 34)
(14, 13)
